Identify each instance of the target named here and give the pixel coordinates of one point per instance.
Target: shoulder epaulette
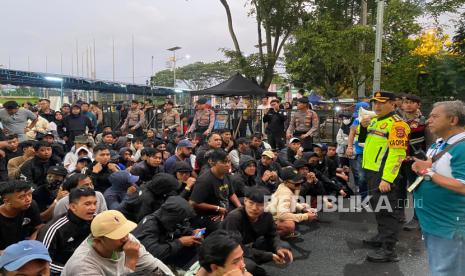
(396, 118)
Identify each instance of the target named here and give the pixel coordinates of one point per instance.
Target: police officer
(275, 119)
(170, 120)
(304, 124)
(203, 121)
(386, 141)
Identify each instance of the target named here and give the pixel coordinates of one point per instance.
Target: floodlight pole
(174, 49)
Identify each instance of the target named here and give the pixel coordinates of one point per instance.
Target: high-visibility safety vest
(386, 146)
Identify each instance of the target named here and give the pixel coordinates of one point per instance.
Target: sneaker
(411, 225)
(292, 235)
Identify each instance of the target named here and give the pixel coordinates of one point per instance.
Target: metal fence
(243, 122)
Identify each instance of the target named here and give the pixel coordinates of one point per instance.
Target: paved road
(333, 247)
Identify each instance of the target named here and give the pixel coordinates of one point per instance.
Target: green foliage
(163, 78)
(276, 20)
(196, 76)
(458, 46)
(324, 53)
(199, 75)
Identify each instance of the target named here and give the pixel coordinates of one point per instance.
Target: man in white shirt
(111, 250)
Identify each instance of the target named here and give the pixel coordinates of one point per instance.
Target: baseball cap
(185, 143)
(300, 163)
(124, 175)
(49, 133)
(182, 166)
(268, 153)
(18, 254)
(84, 158)
(202, 101)
(294, 140)
(10, 105)
(303, 100)
(111, 224)
(383, 96)
(291, 174)
(81, 139)
(58, 170)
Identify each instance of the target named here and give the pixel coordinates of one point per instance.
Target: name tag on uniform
(415, 184)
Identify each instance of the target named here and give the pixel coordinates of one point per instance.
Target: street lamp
(174, 49)
(60, 80)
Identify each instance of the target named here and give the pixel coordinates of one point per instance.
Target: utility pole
(113, 59)
(28, 64)
(133, 77)
(95, 68)
(61, 63)
(363, 21)
(77, 58)
(378, 47)
(46, 64)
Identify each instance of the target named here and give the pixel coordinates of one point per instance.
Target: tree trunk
(242, 62)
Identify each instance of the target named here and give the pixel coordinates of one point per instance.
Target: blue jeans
(446, 257)
(359, 175)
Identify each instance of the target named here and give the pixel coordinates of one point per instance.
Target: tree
(458, 46)
(276, 20)
(196, 76)
(199, 75)
(163, 78)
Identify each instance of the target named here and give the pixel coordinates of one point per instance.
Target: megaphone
(363, 113)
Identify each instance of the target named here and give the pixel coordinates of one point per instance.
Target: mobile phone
(200, 233)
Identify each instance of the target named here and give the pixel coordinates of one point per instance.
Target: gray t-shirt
(16, 123)
(86, 261)
(62, 206)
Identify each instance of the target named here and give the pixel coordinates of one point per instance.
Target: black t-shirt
(12, 154)
(13, 230)
(43, 197)
(212, 190)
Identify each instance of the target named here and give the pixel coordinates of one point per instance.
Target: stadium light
(60, 80)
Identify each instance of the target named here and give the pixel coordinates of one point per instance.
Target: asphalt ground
(333, 246)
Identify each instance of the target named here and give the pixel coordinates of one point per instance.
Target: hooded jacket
(240, 181)
(72, 157)
(155, 193)
(159, 232)
(117, 193)
(145, 171)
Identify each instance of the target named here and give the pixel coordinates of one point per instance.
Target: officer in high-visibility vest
(386, 141)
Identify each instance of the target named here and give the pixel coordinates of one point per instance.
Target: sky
(45, 32)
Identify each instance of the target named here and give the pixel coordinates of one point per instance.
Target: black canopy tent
(236, 85)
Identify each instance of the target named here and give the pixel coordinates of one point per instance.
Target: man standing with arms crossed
(386, 141)
(304, 124)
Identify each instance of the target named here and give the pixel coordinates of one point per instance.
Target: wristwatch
(428, 174)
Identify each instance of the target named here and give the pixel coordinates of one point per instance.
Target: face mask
(53, 184)
(346, 121)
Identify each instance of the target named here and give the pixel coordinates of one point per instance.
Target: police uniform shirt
(303, 121)
(170, 119)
